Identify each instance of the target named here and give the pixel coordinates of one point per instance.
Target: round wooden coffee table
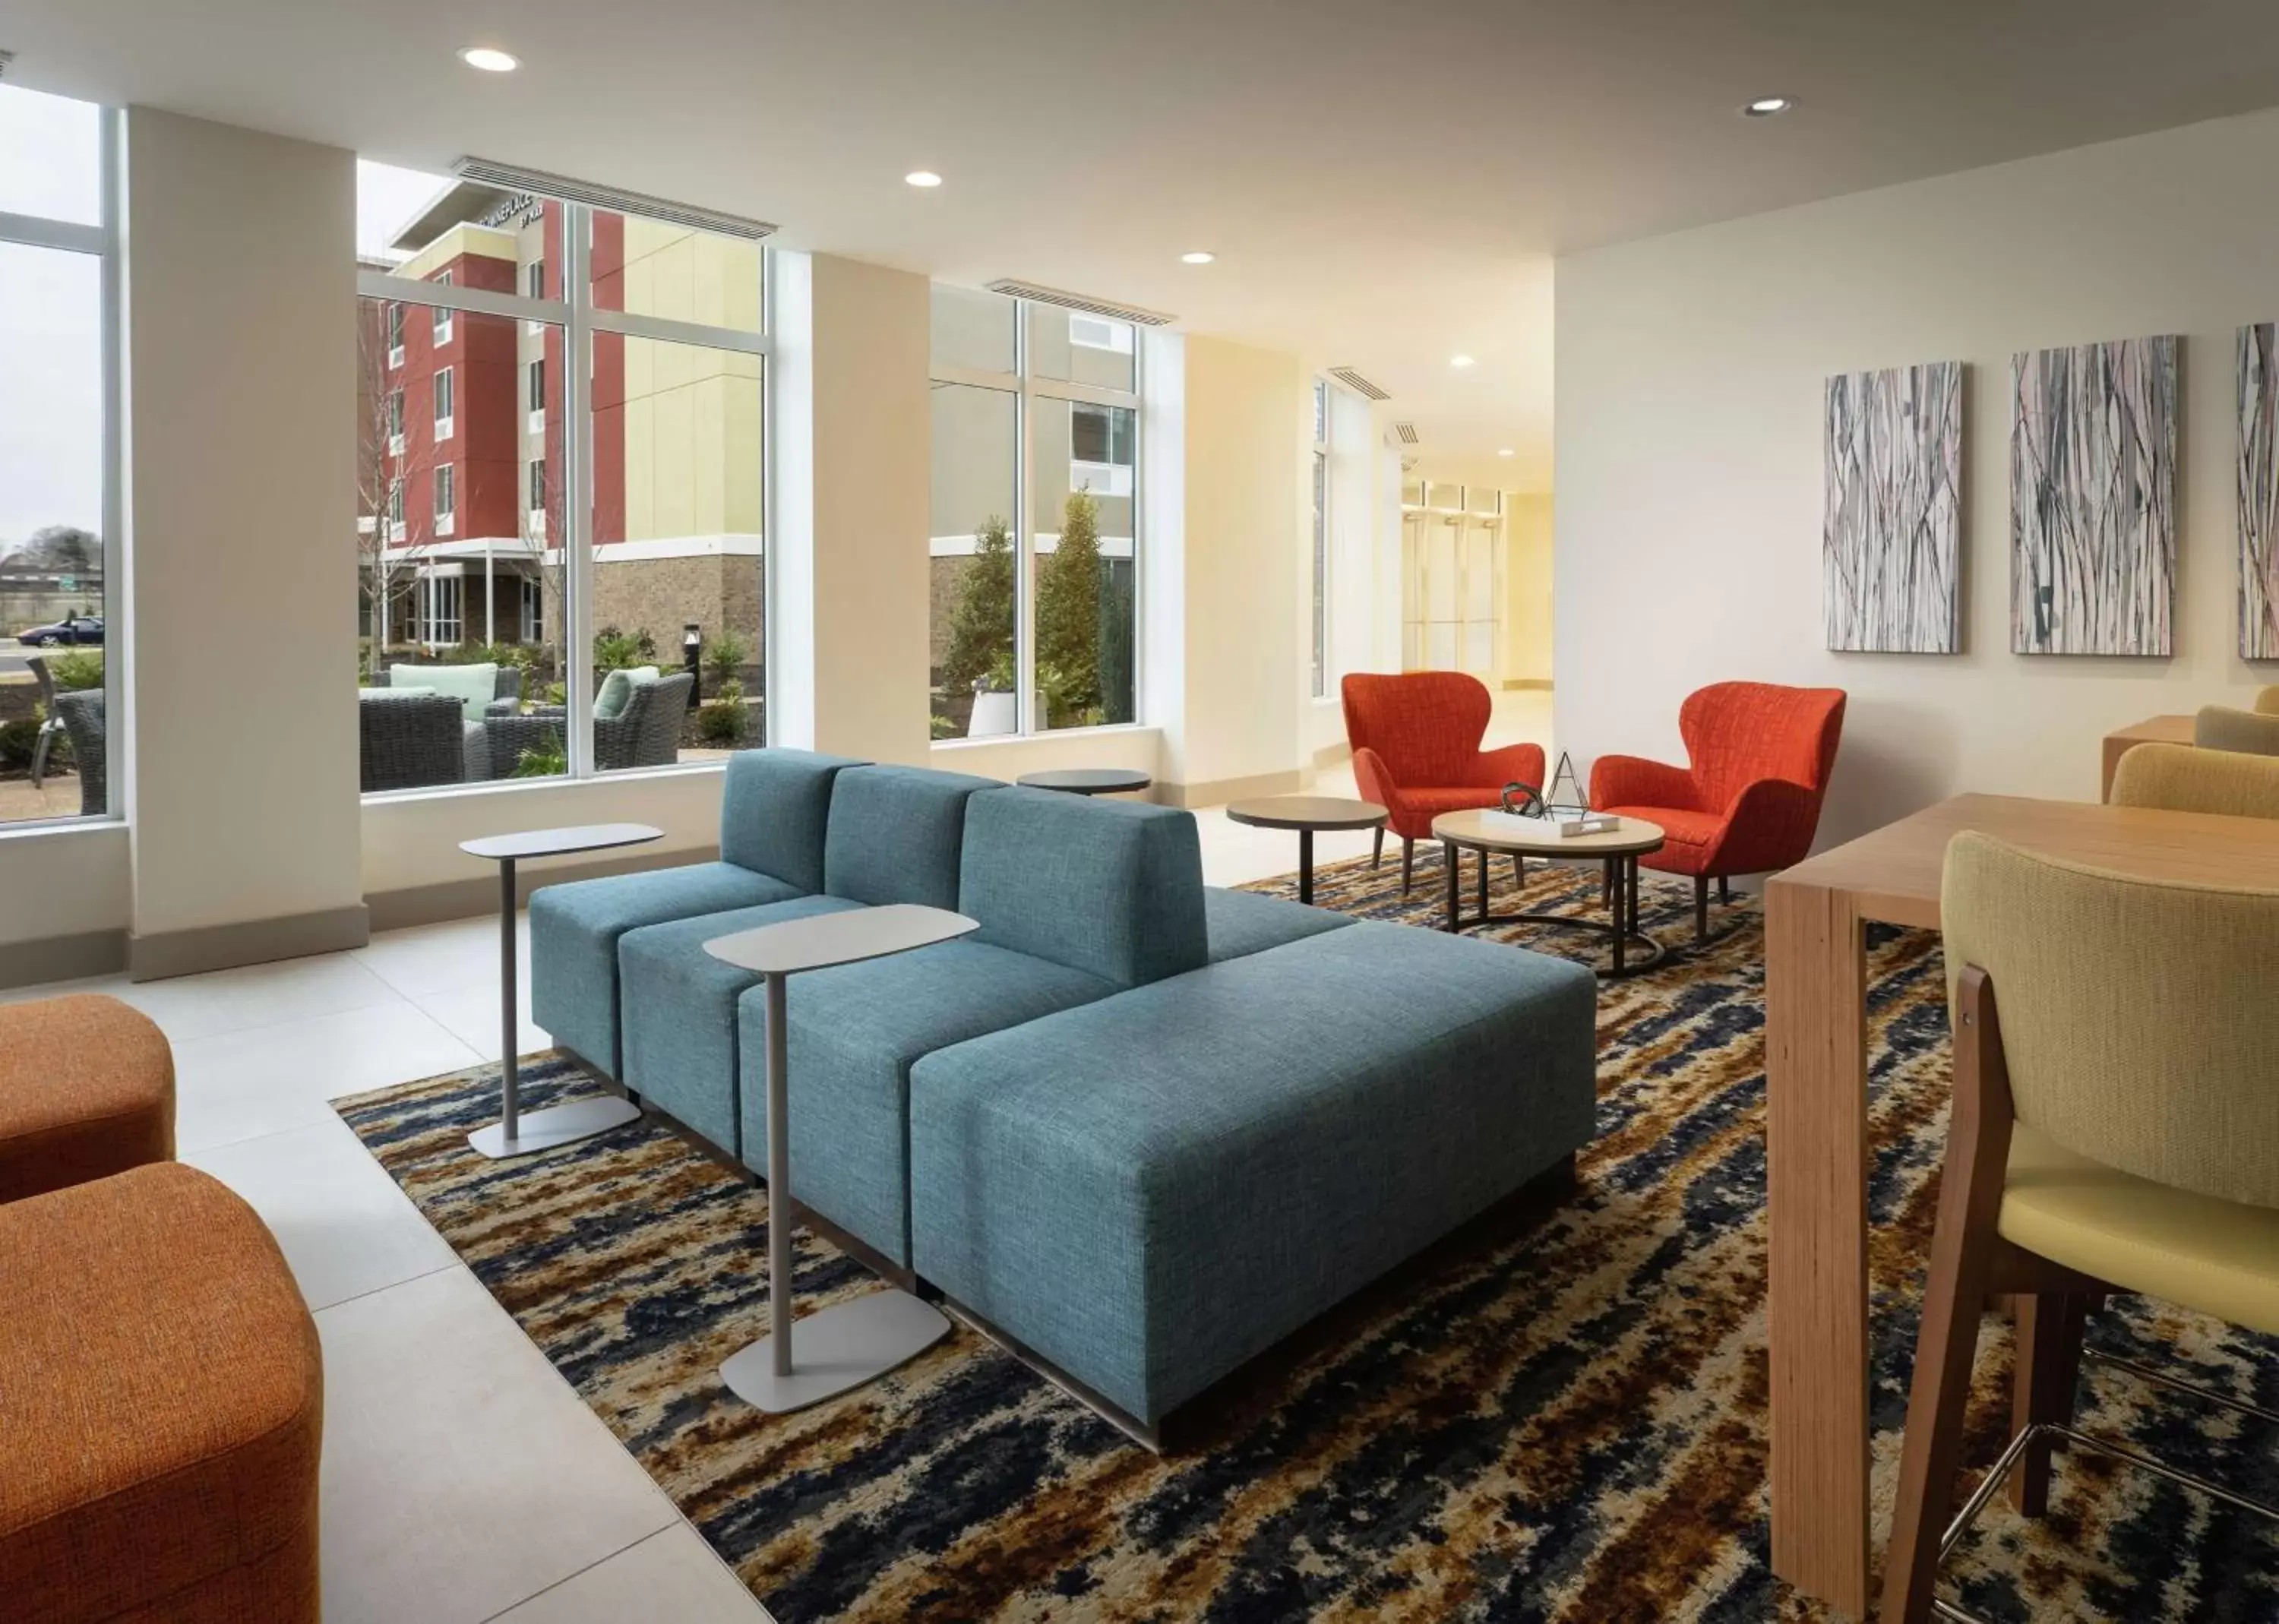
(1489, 832)
(1306, 814)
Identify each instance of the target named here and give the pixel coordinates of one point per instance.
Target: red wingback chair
(1750, 801)
(1416, 752)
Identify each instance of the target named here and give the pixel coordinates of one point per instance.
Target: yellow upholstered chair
(2220, 727)
(2268, 701)
(2185, 778)
(2114, 1128)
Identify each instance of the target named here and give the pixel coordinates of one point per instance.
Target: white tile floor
(464, 1480)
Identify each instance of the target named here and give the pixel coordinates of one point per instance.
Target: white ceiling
(1383, 183)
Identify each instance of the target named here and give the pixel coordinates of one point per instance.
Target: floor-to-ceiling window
(58, 486)
(578, 503)
(1036, 527)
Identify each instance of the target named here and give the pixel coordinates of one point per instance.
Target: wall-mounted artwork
(1889, 562)
(2093, 499)
(2259, 493)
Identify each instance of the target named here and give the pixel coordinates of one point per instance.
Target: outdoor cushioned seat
(1243, 922)
(161, 1409)
(1152, 1189)
(855, 1031)
(86, 1090)
(773, 810)
(892, 836)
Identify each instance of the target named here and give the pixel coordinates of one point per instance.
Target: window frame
(1028, 388)
(579, 319)
(444, 518)
(444, 385)
(99, 241)
(443, 327)
(1324, 433)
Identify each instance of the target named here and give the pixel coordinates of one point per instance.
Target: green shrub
(549, 760)
(981, 625)
(616, 651)
(724, 659)
(1068, 614)
(17, 739)
(80, 668)
(941, 726)
(722, 721)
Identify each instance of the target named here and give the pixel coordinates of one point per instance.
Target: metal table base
(1620, 927)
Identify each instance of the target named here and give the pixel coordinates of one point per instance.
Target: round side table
(1087, 780)
(1306, 814)
(1489, 832)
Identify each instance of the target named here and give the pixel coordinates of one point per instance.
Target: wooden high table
(1816, 1079)
(2152, 729)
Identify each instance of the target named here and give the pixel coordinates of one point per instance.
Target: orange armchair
(1416, 752)
(1750, 801)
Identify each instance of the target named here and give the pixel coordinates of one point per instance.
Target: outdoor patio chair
(81, 714)
(646, 734)
(51, 726)
(415, 742)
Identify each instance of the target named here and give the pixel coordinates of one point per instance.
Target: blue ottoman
(1152, 1189)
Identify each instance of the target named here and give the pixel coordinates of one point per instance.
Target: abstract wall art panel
(2093, 499)
(2259, 493)
(1889, 562)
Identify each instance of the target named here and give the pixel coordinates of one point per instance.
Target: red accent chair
(1750, 801)
(1416, 752)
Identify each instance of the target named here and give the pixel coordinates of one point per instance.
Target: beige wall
(241, 782)
(848, 668)
(1527, 626)
(1690, 377)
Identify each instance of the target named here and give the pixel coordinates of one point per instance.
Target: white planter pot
(994, 714)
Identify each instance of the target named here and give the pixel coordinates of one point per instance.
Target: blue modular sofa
(1143, 1127)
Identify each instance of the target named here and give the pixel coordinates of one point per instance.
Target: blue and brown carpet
(1569, 1425)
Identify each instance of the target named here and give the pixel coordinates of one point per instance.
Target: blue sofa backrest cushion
(774, 811)
(1112, 887)
(896, 833)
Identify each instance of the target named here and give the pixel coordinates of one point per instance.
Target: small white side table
(515, 1134)
(843, 1347)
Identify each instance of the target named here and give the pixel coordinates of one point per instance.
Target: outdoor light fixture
(923, 176)
(487, 60)
(1767, 106)
(1198, 257)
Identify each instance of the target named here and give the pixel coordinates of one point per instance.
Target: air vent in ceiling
(513, 177)
(1080, 302)
(1359, 385)
(1406, 432)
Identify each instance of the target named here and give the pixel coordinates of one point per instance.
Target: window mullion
(577, 542)
(1025, 626)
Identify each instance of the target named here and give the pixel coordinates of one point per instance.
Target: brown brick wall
(661, 595)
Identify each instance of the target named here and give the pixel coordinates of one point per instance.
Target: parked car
(71, 629)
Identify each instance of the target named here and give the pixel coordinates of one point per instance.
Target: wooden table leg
(1816, 1085)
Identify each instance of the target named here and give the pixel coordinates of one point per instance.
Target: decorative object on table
(1529, 801)
(1748, 802)
(515, 1134)
(1890, 557)
(1619, 848)
(1565, 772)
(2093, 499)
(1416, 750)
(1307, 814)
(2257, 382)
(849, 1343)
(1087, 780)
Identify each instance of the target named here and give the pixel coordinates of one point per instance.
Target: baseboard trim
(1334, 755)
(420, 905)
(62, 958)
(255, 941)
(1541, 685)
(1221, 791)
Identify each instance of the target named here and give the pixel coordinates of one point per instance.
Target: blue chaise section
(772, 812)
(1243, 923)
(1076, 900)
(1152, 1189)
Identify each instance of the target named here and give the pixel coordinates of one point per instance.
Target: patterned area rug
(1570, 1425)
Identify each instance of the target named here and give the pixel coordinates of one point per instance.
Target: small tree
(981, 627)
(1068, 614)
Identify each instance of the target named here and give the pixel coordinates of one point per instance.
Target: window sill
(1059, 736)
(513, 786)
(32, 829)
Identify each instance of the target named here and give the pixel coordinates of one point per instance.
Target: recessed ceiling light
(488, 60)
(1459, 360)
(1198, 257)
(923, 176)
(1503, 451)
(1767, 106)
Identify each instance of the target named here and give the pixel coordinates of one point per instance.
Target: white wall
(1689, 396)
(240, 781)
(1528, 531)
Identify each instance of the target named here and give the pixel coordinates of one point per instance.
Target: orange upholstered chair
(1416, 752)
(1750, 800)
